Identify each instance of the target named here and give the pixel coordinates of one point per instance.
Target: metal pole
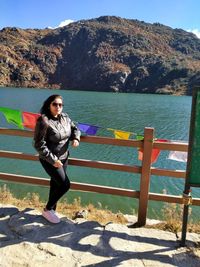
(186, 194)
(187, 197)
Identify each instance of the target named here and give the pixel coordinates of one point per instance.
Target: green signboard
(193, 166)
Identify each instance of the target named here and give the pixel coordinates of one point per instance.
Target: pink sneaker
(50, 216)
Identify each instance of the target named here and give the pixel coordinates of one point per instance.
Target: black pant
(59, 183)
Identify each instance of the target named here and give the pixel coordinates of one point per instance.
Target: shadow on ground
(87, 243)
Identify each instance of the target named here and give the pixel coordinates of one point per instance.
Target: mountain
(103, 54)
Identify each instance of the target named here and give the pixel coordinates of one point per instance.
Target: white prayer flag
(178, 156)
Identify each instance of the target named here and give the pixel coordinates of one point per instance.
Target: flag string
(24, 119)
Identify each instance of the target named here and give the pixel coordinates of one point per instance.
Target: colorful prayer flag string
(28, 120)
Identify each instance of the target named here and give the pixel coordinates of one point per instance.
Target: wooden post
(145, 175)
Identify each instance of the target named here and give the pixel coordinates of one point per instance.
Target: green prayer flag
(139, 137)
(13, 116)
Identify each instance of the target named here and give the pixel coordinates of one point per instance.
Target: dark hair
(45, 109)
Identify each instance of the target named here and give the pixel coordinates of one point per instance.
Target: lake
(169, 115)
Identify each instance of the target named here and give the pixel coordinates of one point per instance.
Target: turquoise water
(169, 115)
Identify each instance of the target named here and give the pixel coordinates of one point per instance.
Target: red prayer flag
(29, 119)
(155, 152)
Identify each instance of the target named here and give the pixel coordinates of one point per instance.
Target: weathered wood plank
(145, 176)
(74, 186)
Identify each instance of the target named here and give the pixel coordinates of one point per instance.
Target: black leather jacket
(52, 136)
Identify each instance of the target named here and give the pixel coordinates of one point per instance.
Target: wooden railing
(146, 170)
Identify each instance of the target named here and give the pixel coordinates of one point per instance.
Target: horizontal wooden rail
(98, 164)
(87, 139)
(111, 141)
(74, 186)
(96, 189)
(104, 165)
(172, 199)
(17, 155)
(16, 132)
(166, 172)
(174, 146)
(77, 162)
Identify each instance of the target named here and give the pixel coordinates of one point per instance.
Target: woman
(53, 132)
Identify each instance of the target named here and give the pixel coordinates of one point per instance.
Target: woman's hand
(75, 143)
(58, 164)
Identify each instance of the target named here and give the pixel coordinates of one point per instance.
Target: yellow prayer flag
(121, 134)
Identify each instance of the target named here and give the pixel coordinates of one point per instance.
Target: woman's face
(56, 107)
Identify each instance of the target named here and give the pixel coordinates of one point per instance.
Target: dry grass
(173, 216)
(68, 209)
(172, 213)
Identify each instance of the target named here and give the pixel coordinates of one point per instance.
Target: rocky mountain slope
(103, 54)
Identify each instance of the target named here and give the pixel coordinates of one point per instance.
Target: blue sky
(50, 13)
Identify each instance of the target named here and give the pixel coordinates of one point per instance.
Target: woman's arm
(75, 133)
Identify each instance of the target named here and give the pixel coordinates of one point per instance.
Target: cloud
(62, 24)
(65, 22)
(195, 31)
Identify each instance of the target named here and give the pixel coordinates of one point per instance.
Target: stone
(27, 239)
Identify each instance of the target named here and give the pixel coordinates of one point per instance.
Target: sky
(40, 14)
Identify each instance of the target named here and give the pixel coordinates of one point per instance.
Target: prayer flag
(88, 129)
(13, 116)
(155, 152)
(178, 156)
(120, 134)
(154, 156)
(140, 137)
(30, 119)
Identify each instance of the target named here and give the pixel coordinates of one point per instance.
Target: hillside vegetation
(103, 54)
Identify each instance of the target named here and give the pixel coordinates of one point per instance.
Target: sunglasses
(60, 105)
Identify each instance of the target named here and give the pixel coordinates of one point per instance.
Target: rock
(27, 239)
(81, 214)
